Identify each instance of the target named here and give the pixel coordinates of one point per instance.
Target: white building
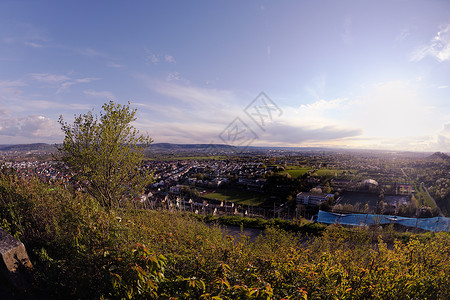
(312, 199)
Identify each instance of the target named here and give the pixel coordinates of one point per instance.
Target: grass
(423, 198)
(302, 226)
(237, 196)
(328, 172)
(81, 250)
(296, 171)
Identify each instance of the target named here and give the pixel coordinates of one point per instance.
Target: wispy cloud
(151, 57)
(173, 76)
(402, 35)
(297, 135)
(45, 105)
(49, 78)
(10, 88)
(156, 58)
(322, 105)
(89, 52)
(189, 94)
(67, 84)
(317, 86)
(100, 94)
(169, 58)
(201, 114)
(438, 47)
(346, 36)
(59, 81)
(114, 65)
(34, 45)
(27, 34)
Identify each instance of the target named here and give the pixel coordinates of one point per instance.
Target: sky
(347, 74)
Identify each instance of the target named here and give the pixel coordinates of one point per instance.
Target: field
(296, 171)
(328, 172)
(237, 196)
(423, 198)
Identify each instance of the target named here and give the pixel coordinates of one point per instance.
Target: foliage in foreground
(80, 250)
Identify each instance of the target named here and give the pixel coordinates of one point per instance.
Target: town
(282, 183)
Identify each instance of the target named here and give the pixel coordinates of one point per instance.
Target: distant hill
(439, 156)
(161, 147)
(168, 146)
(29, 147)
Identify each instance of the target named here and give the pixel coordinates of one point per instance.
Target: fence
(432, 224)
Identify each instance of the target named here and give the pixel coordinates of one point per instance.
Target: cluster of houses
(174, 177)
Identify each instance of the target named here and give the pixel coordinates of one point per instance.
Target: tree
(105, 154)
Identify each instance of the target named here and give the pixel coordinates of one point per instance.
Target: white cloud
(100, 94)
(195, 96)
(438, 47)
(49, 78)
(27, 34)
(321, 105)
(155, 58)
(89, 52)
(442, 86)
(151, 57)
(388, 115)
(114, 65)
(45, 104)
(11, 88)
(34, 45)
(201, 114)
(31, 126)
(173, 76)
(85, 80)
(300, 134)
(59, 81)
(181, 132)
(169, 58)
(443, 138)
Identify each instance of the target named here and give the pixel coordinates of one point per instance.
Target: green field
(296, 171)
(328, 172)
(423, 197)
(237, 196)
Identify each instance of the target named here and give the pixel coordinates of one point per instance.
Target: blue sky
(352, 74)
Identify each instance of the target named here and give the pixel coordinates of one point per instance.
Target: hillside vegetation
(81, 250)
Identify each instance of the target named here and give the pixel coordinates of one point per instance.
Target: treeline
(82, 250)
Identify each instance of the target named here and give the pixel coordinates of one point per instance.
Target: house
(176, 189)
(312, 199)
(404, 188)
